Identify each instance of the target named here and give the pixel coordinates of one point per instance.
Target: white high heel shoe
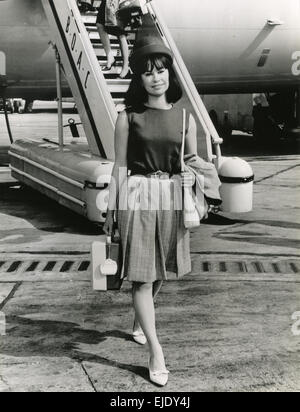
(139, 337)
(160, 378)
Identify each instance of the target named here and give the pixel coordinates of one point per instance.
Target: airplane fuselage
(229, 47)
(237, 46)
(30, 58)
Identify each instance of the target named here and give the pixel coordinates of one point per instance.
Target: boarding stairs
(76, 175)
(116, 86)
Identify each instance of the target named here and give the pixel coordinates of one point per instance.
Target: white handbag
(190, 214)
(105, 259)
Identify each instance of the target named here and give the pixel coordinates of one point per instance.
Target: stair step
(119, 100)
(89, 6)
(102, 58)
(94, 34)
(97, 41)
(100, 49)
(112, 74)
(117, 95)
(90, 13)
(89, 18)
(118, 86)
(100, 53)
(99, 46)
(121, 82)
(91, 27)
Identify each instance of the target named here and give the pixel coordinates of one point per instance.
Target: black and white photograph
(149, 198)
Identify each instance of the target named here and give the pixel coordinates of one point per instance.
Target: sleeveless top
(155, 139)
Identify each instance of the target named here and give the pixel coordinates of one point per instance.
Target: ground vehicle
(9, 105)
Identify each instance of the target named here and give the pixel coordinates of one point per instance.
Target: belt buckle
(154, 175)
(162, 175)
(159, 175)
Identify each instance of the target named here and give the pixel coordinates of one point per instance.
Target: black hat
(147, 46)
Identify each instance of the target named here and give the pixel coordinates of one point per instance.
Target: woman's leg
(125, 55)
(145, 314)
(156, 288)
(106, 44)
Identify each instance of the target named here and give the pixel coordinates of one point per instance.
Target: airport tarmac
(227, 326)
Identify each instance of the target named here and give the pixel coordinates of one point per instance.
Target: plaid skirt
(153, 237)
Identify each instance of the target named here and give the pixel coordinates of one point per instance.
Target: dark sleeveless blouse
(155, 139)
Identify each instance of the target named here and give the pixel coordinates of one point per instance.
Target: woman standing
(148, 141)
(105, 29)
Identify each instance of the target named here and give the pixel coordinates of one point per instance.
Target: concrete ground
(225, 327)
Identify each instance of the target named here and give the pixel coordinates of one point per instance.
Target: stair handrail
(95, 63)
(212, 136)
(96, 74)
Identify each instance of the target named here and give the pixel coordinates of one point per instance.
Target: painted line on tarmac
(59, 254)
(276, 174)
(44, 253)
(10, 295)
(17, 265)
(23, 268)
(244, 255)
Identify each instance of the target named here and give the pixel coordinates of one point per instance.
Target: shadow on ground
(45, 338)
(247, 146)
(41, 212)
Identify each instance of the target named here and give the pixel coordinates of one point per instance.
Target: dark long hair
(136, 95)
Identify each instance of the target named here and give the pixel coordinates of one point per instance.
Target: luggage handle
(108, 242)
(183, 140)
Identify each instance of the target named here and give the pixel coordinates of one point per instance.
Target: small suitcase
(99, 254)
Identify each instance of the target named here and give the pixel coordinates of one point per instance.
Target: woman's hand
(211, 209)
(108, 226)
(188, 179)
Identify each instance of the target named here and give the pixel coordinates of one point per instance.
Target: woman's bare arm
(119, 172)
(191, 137)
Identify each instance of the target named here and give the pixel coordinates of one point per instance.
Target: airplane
(230, 47)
